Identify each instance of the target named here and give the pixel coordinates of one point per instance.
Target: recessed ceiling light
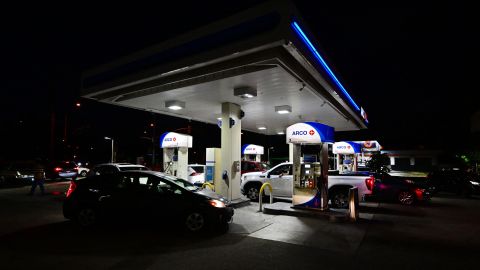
(245, 92)
(280, 133)
(175, 105)
(262, 127)
(284, 109)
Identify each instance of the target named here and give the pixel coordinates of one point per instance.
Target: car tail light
(419, 192)
(193, 174)
(57, 169)
(369, 182)
(71, 188)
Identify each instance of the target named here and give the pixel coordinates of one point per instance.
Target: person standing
(38, 178)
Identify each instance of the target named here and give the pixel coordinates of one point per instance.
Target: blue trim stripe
(312, 203)
(244, 147)
(357, 148)
(299, 31)
(326, 132)
(163, 137)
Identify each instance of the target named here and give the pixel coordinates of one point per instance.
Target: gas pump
(175, 153)
(347, 156)
(252, 152)
(310, 175)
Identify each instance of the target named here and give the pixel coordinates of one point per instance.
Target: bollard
(353, 204)
(260, 203)
(212, 187)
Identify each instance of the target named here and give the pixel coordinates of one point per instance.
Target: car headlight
(474, 183)
(216, 203)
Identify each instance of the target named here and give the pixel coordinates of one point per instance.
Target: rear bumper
(67, 174)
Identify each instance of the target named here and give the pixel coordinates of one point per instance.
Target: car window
(264, 166)
(244, 166)
(161, 186)
(284, 169)
(107, 169)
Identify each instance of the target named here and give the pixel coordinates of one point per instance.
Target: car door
(117, 198)
(281, 180)
(164, 200)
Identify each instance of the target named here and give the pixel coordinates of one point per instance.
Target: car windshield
(183, 183)
(264, 166)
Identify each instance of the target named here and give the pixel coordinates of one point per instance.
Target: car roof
(120, 165)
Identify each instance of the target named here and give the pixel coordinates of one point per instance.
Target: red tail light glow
(369, 182)
(57, 169)
(71, 188)
(419, 192)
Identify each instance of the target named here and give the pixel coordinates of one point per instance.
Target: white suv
(196, 174)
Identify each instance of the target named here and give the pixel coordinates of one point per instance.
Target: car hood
(211, 195)
(252, 174)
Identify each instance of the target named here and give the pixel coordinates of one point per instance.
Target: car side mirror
(268, 175)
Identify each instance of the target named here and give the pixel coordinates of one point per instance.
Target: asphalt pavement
(442, 234)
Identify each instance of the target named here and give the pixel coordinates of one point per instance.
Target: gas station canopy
(264, 59)
(252, 149)
(347, 147)
(175, 140)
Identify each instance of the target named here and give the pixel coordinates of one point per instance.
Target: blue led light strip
(323, 63)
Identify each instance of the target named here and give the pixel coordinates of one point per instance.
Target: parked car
(404, 190)
(61, 169)
(458, 182)
(144, 195)
(253, 166)
(196, 174)
(17, 173)
(281, 179)
(82, 169)
(112, 168)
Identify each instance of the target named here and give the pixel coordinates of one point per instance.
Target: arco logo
(303, 132)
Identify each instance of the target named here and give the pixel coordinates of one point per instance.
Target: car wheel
(253, 192)
(87, 217)
(406, 197)
(83, 173)
(340, 199)
(195, 222)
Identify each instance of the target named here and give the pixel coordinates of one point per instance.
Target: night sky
(408, 66)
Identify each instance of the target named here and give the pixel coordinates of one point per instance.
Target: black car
(145, 195)
(405, 190)
(455, 181)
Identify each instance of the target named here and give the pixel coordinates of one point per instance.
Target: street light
(108, 138)
(268, 153)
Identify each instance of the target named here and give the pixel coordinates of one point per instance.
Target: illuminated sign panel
(309, 133)
(173, 140)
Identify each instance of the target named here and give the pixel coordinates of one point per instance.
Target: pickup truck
(281, 179)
